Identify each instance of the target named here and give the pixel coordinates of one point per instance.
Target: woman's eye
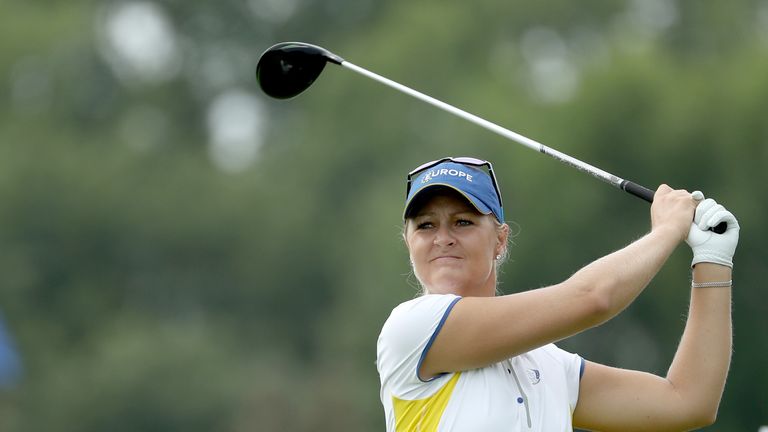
(464, 222)
(424, 225)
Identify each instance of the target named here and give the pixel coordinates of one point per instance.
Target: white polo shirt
(535, 391)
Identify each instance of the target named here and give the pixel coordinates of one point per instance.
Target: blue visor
(476, 185)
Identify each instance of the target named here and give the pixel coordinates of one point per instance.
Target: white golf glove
(707, 245)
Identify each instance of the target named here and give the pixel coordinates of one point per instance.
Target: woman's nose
(444, 237)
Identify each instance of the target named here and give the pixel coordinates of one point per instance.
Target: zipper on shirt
(522, 393)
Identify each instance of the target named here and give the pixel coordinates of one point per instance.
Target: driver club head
(288, 68)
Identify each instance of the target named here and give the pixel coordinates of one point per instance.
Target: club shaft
(506, 133)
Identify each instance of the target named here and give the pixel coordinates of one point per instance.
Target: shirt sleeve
(573, 366)
(406, 338)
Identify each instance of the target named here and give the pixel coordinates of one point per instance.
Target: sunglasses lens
(470, 161)
(424, 166)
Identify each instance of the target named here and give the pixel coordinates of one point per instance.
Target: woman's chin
(448, 284)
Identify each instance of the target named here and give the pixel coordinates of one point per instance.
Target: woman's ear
(502, 239)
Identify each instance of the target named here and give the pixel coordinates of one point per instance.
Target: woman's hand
(708, 246)
(673, 210)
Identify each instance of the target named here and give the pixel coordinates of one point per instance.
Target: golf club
(288, 68)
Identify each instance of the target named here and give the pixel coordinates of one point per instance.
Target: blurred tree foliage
(148, 287)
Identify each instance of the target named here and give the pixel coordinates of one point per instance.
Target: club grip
(647, 194)
(637, 190)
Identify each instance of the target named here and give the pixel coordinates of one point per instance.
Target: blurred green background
(180, 253)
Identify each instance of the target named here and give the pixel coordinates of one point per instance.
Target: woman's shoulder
(408, 332)
(425, 301)
(426, 310)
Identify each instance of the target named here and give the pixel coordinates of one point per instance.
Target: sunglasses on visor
(469, 161)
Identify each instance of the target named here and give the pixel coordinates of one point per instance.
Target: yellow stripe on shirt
(423, 415)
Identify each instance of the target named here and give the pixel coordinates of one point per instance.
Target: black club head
(289, 68)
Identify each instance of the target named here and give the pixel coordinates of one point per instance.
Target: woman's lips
(446, 258)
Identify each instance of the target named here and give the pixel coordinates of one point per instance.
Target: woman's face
(453, 246)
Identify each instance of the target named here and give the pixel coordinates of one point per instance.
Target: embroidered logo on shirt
(534, 375)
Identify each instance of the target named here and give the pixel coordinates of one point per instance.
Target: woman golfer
(461, 358)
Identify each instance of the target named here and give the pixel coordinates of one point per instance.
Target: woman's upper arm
(627, 400)
(483, 330)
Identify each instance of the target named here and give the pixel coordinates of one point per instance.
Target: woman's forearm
(618, 278)
(701, 363)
